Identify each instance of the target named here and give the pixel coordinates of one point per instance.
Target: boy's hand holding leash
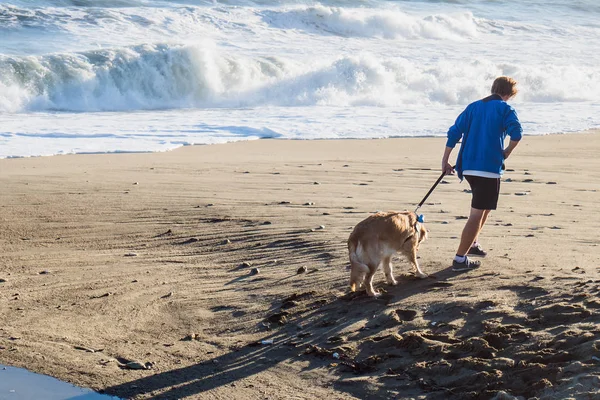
(447, 169)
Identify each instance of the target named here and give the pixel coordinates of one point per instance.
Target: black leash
(420, 216)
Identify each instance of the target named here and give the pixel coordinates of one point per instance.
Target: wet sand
(159, 275)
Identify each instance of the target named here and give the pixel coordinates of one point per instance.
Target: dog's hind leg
(389, 271)
(369, 282)
(358, 269)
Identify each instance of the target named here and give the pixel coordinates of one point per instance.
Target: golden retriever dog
(376, 239)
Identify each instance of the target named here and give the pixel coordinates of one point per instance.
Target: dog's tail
(357, 267)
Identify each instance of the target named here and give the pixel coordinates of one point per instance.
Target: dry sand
(108, 259)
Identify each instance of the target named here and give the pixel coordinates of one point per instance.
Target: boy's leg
(485, 216)
(485, 198)
(471, 230)
(461, 262)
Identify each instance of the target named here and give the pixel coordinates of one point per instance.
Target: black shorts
(485, 192)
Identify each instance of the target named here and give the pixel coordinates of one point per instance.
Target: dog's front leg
(389, 271)
(413, 260)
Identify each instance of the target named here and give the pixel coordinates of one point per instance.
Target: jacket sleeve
(460, 127)
(512, 126)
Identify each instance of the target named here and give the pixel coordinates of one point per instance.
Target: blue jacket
(484, 125)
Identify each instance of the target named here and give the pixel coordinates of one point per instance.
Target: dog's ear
(413, 218)
(422, 233)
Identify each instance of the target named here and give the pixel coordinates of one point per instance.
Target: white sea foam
(373, 23)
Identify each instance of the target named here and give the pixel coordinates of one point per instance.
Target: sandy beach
(176, 275)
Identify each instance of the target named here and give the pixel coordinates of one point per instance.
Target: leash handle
(431, 190)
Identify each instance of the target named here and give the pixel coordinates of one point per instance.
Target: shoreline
(122, 152)
(113, 258)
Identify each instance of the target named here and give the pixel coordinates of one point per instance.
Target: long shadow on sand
(452, 349)
(299, 324)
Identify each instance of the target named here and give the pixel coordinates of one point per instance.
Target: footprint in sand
(406, 315)
(561, 313)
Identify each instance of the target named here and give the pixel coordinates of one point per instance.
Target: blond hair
(504, 86)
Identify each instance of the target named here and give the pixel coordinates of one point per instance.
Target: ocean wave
(389, 24)
(12, 17)
(67, 19)
(131, 78)
(132, 25)
(201, 76)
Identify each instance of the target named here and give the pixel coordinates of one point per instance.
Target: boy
(483, 126)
